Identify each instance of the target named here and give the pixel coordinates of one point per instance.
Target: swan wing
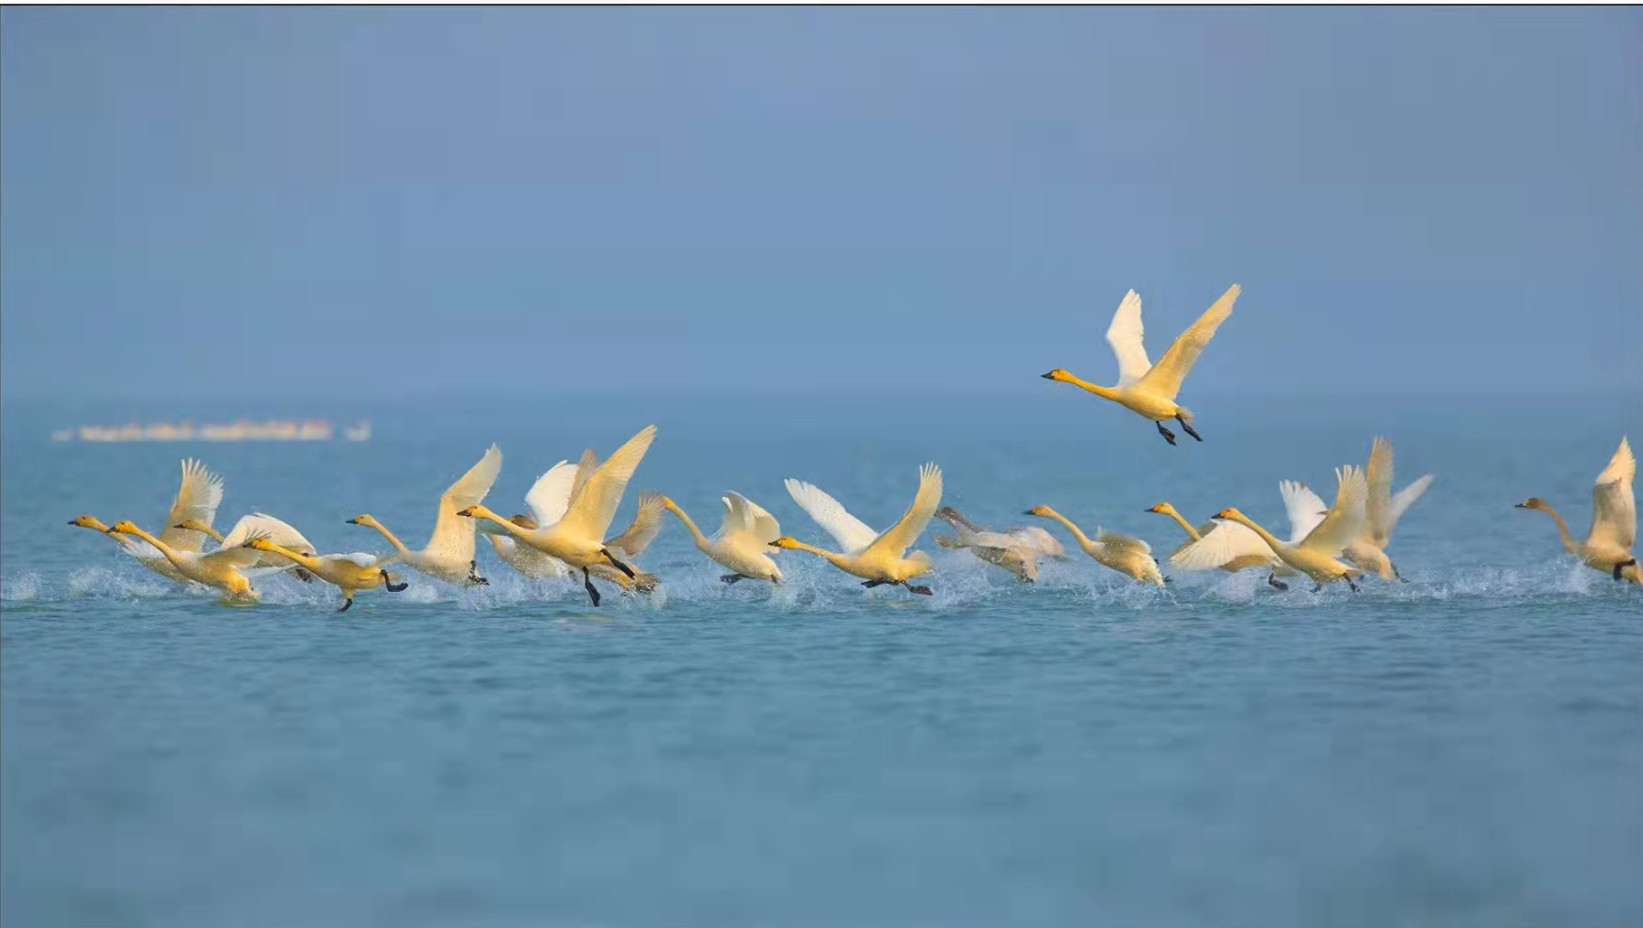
(549, 496)
(899, 537)
(1614, 508)
(237, 557)
(197, 498)
(750, 517)
(1377, 525)
(1115, 542)
(1340, 528)
(1403, 499)
(1124, 335)
(585, 466)
(850, 532)
(1039, 540)
(594, 506)
(1305, 508)
(358, 559)
(453, 536)
(278, 531)
(1224, 542)
(646, 525)
(1164, 379)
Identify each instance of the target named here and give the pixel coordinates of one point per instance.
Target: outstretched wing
(646, 525)
(1614, 509)
(899, 537)
(1377, 523)
(453, 536)
(276, 530)
(1403, 499)
(1306, 509)
(585, 466)
(1223, 542)
(850, 532)
(1124, 335)
(197, 498)
(1340, 528)
(1038, 540)
(549, 496)
(594, 506)
(1164, 379)
(1115, 542)
(748, 516)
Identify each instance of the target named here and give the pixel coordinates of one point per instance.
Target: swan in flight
(1314, 555)
(220, 568)
(1129, 556)
(1381, 512)
(546, 501)
(1233, 546)
(260, 523)
(449, 554)
(1608, 546)
(350, 572)
(878, 558)
(1147, 388)
(1015, 551)
(742, 542)
(577, 538)
(197, 499)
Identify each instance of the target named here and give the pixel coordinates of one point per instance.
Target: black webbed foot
(1169, 436)
(1622, 566)
(345, 604)
(389, 583)
(473, 573)
(617, 564)
(920, 590)
(1349, 583)
(587, 584)
(1272, 580)
(732, 578)
(1189, 428)
(873, 583)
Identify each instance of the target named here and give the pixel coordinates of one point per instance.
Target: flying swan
(1233, 546)
(1129, 556)
(449, 554)
(1608, 546)
(880, 559)
(349, 572)
(1017, 551)
(1381, 512)
(1315, 554)
(220, 568)
(743, 541)
(197, 499)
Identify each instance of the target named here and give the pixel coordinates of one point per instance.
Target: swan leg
(873, 583)
(1272, 580)
(1348, 579)
(587, 584)
(1169, 436)
(617, 564)
(1395, 574)
(473, 573)
(1317, 587)
(1622, 566)
(388, 582)
(347, 600)
(1190, 430)
(732, 578)
(920, 590)
(302, 575)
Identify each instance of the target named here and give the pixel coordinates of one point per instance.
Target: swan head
(480, 512)
(785, 542)
(1228, 513)
(1039, 510)
(260, 542)
(1533, 502)
(1057, 374)
(524, 521)
(193, 525)
(365, 519)
(122, 527)
(89, 522)
(1162, 509)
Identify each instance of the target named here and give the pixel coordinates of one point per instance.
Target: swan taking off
(1145, 387)
(878, 558)
(1129, 556)
(265, 525)
(578, 538)
(1608, 546)
(1314, 555)
(1381, 512)
(1233, 546)
(449, 554)
(220, 568)
(546, 500)
(197, 500)
(350, 572)
(1015, 551)
(742, 542)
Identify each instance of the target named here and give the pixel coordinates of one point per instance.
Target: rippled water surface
(1461, 749)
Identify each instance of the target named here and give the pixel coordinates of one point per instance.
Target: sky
(318, 202)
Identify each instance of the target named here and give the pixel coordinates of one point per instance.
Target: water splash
(21, 588)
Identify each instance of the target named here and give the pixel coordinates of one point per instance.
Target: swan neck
(165, 549)
(1103, 392)
(1185, 525)
(1562, 529)
(1078, 533)
(300, 558)
(690, 526)
(837, 559)
(1266, 536)
(398, 545)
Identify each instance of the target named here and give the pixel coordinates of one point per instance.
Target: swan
(578, 538)
(220, 568)
(1015, 553)
(878, 558)
(1314, 555)
(1148, 388)
(1608, 546)
(260, 523)
(449, 554)
(1129, 556)
(198, 497)
(1232, 546)
(350, 572)
(742, 542)
(1381, 512)
(546, 500)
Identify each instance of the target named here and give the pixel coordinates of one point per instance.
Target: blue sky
(380, 202)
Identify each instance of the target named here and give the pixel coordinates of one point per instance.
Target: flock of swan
(571, 508)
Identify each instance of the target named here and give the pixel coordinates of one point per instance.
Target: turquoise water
(1459, 750)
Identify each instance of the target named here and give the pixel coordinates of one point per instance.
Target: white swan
(547, 500)
(449, 554)
(1016, 553)
(198, 497)
(220, 568)
(1608, 546)
(1381, 513)
(879, 558)
(261, 524)
(1223, 544)
(349, 572)
(1315, 554)
(1127, 555)
(1147, 388)
(743, 541)
(578, 537)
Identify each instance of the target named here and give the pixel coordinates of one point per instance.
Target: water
(1459, 750)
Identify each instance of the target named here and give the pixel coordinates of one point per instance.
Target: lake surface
(1462, 749)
